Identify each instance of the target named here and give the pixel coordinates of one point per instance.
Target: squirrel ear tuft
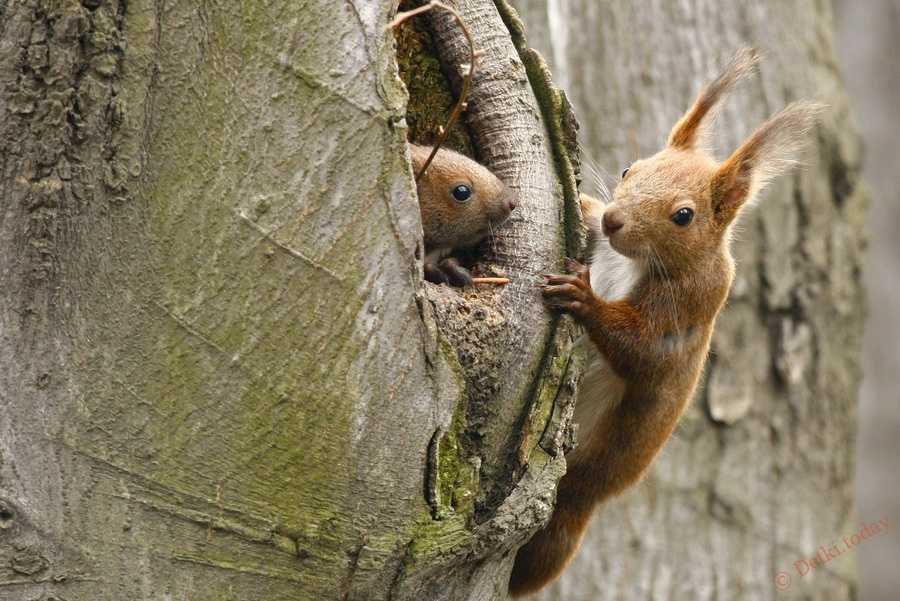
(690, 128)
(770, 151)
(418, 154)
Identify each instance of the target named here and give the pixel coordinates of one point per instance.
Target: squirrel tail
(549, 551)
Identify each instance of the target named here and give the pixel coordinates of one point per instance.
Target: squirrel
(666, 272)
(461, 204)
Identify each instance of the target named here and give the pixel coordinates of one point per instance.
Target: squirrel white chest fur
(613, 276)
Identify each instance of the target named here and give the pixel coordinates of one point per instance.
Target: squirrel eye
(624, 173)
(462, 193)
(683, 216)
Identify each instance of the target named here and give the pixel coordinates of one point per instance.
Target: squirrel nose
(612, 222)
(509, 199)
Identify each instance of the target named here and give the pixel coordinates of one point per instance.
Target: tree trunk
(221, 375)
(760, 472)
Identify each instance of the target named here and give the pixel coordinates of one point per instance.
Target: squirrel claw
(576, 267)
(571, 293)
(562, 279)
(562, 290)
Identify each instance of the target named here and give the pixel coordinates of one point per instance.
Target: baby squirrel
(666, 272)
(461, 204)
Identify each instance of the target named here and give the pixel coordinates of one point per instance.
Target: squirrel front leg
(617, 328)
(447, 271)
(613, 460)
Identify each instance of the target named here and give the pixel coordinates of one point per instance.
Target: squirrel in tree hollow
(662, 272)
(461, 204)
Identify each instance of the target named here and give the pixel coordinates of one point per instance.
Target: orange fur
(449, 224)
(656, 338)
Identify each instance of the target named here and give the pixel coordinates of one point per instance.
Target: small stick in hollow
(492, 281)
(461, 104)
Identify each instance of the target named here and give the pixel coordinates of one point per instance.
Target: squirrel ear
(769, 152)
(418, 154)
(690, 128)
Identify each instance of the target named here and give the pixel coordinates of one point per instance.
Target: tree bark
(760, 472)
(221, 374)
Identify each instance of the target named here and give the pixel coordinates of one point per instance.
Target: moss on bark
(430, 96)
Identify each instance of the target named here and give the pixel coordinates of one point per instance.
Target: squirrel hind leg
(541, 560)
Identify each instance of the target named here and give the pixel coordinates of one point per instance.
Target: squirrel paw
(448, 271)
(571, 293)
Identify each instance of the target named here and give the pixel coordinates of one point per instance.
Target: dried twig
(460, 105)
(495, 281)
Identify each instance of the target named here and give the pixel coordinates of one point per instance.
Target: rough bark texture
(221, 376)
(760, 472)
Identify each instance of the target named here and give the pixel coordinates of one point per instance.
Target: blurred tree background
(868, 42)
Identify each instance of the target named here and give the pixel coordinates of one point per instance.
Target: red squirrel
(663, 269)
(461, 204)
